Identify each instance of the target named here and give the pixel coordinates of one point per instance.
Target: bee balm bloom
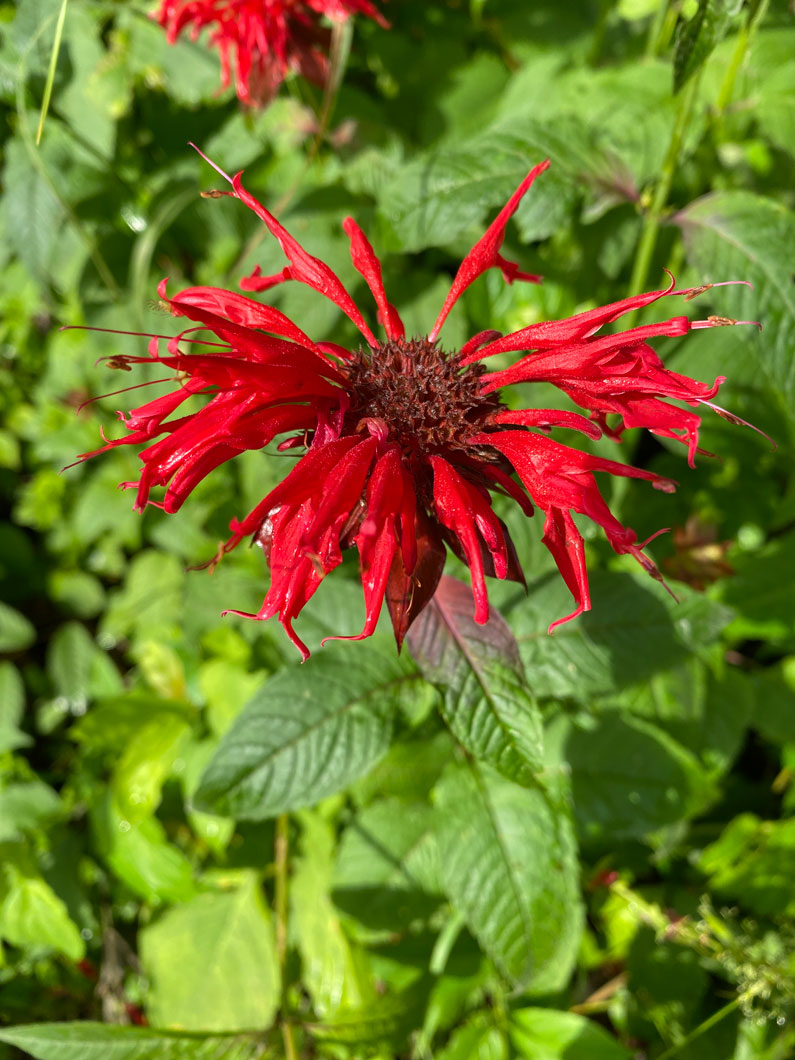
(260, 41)
(401, 442)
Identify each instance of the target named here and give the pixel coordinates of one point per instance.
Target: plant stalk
(280, 865)
(702, 1028)
(653, 218)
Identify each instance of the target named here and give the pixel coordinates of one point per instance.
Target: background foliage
(577, 847)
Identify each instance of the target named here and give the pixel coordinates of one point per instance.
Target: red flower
(402, 443)
(262, 40)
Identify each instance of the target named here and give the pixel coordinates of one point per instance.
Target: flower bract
(402, 443)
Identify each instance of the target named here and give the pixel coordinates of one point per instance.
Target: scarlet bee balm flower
(402, 442)
(260, 41)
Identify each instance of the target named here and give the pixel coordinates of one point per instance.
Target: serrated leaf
(509, 866)
(628, 777)
(101, 1041)
(16, 632)
(309, 732)
(447, 191)
(486, 701)
(740, 236)
(31, 210)
(227, 977)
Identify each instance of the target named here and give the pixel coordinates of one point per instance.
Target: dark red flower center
(420, 394)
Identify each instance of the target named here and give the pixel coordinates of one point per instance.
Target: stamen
(732, 417)
(209, 162)
(124, 390)
(143, 335)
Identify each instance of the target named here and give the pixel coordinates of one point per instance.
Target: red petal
(485, 253)
(303, 266)
(572, 329)
(366, 262)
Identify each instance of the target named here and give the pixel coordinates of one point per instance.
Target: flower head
(401, 442)
(261, 41)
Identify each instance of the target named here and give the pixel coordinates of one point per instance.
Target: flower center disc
(425, 400)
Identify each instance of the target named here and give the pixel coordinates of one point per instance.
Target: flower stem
(281, 860)
(702, 1028)
(653, 218)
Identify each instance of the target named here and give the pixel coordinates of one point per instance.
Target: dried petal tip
(722, 322)
(693, 292)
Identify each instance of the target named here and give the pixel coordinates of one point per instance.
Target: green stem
(600, 29)
(702, 1028)
(653, 218)
(744, 38)
(281, 861)
(655, 30)
(56, 48)
(662, 28)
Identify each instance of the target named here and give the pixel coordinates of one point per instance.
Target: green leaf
(697, 37)
(227, 975)
(448, 191)
(150, 602)
(707, 712)
(140, 854)
(634, 630)
(31, 211)
(146, 763)
(775, 110)
(774, 706)
(308, 733)
(760, 592)
(16, 632)
(509, 866)
(545, 1034)
(12, 708)
(334, 972)
(478, 1039)
(24, 806)
(738, 235)
(32, 915)
(628, 778)
(486, 701)
(753, 862)
(107, 1041)
(387, 865)
(70, 655)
